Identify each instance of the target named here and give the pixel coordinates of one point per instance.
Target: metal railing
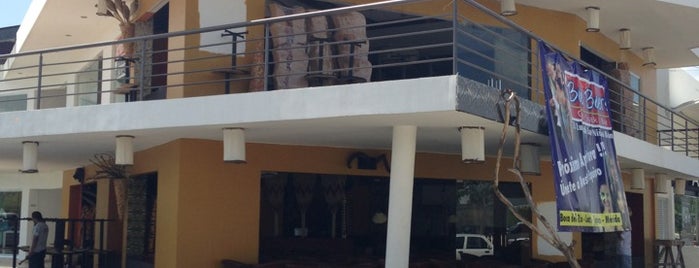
(300, 48)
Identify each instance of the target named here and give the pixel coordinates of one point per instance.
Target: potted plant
(116, 174)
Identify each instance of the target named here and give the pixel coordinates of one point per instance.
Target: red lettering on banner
(587, 102)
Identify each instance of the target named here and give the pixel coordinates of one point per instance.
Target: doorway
(140, 233)
(601, 248)
(635, 203)
(158, 79)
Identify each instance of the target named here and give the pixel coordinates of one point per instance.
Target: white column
(400, 196)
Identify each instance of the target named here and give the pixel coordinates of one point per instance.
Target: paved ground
(691, 258)
(6, 262)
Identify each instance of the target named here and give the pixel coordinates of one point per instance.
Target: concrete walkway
(691, 256)
(6, 262)
(690, 253)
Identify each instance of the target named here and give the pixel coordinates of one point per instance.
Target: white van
(473, 244)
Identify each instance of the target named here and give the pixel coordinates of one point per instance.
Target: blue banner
(589, 190)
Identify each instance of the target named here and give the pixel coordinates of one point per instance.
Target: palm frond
(107, 168)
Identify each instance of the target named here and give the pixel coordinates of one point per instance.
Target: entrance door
(140, 234)
(159, 61)
(635, 202)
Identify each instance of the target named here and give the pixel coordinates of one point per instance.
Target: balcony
(299, 48)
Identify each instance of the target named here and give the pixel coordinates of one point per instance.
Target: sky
(12, 12)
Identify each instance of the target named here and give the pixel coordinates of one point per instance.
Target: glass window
(9, 210)
(459, 242)
(479, 212)
(476, 242)
(496, 56)
(53, 98)
(635, 84)
(687, 218)
(13, 103)
(87, 85)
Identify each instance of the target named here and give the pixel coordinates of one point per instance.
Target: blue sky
(12, 12)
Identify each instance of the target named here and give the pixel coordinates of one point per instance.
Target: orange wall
(165, 159)
(208, 210)
(185, 16)
(216, 204)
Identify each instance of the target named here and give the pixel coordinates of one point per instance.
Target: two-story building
(352, 132)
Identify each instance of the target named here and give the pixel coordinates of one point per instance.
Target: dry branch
(549, 233)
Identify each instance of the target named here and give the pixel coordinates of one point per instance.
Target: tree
(548, 232)
(122, 12)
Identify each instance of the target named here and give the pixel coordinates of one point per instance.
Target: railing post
(15, 242)
(100, 67)
(686, 138)
(644, 119)
(141, 69)
(672, 131)
(620, 113)
(265, 71)
(454, 50)
(37, 104)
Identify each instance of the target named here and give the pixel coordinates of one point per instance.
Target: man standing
(623, 250)
(37, 251)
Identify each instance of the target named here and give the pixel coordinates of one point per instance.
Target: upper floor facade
(77, 78)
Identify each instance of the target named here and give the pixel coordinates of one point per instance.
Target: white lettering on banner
(566, 167)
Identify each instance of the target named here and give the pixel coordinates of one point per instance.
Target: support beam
(400, 196)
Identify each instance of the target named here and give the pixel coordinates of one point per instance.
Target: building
(326, 104)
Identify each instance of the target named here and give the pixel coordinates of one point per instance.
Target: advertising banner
(589, 189)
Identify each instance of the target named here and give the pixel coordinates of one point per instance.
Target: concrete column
(400, 197)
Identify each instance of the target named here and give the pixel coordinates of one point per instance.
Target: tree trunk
(128, 31)
(120, 196)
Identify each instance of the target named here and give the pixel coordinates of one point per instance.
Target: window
(635, 84)
(476, 242)
(87, 85)
(459, 242)
(53, 98)
(497, 56)
(13, 103)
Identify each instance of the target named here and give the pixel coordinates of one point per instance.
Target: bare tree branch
(548, 233)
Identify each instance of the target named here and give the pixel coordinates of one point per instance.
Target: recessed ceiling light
(83, 17)
(69, 35)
